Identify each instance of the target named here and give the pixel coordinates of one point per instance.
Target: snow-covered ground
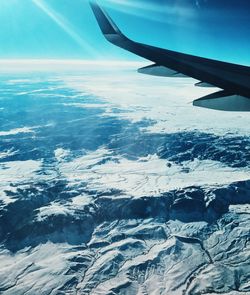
(113, 183)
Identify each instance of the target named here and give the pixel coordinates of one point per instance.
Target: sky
(67, 29)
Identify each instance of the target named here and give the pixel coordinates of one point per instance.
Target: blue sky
(66, 29)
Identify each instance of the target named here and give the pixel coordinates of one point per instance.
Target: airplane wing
(233, 79)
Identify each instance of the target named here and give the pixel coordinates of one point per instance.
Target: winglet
(106, 24)
(115, 36)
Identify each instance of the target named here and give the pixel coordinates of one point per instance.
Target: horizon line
(31, 65)
(68, 60)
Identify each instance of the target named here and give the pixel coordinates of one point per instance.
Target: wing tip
(107, 26)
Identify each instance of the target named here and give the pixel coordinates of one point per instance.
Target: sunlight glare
(153, 12)
(62, 23)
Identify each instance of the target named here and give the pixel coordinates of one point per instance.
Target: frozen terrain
(113, 183)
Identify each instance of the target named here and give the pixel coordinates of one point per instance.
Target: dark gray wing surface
(232, 78)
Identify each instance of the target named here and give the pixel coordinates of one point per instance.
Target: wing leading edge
(232, 78)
